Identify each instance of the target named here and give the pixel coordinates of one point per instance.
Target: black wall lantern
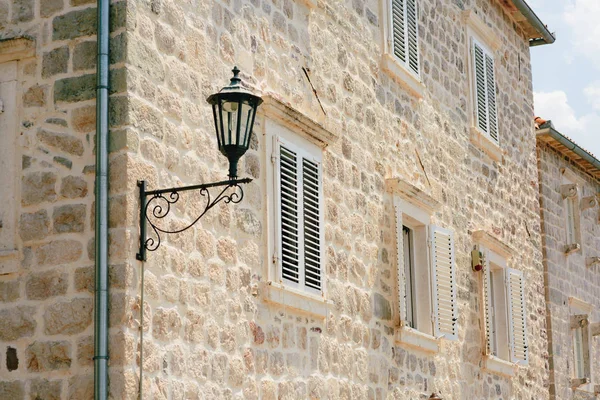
(234, 112)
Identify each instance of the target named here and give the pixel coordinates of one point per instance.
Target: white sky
(566, 74)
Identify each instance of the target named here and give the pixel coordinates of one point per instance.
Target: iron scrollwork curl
(156, 205)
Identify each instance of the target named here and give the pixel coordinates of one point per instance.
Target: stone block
(37, 187)
(48, 356)
(381, 307)
(55, 62)
(81, 387)
(68, 317)
(84, 55)
(45, 389)
(23, 10)
(166, 324)
(84, 279)
(17, 322)
(50, 7)
(85, 351)
(73, 187)
(61, 141)
(40, 286)
(12, 390)
(59, 252)
(35, 96)
(9, 290)
(34, 226)
(75, 89)
(84, 119)
(69, 218)
(74, 24)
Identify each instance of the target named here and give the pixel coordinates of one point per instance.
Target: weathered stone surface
(65, 162)
(166, 323)
(9, 290)
(23, 10)
(40, 286)
(62, 141)
(81, 387)
(34, 226)
(84, 119)
(84, 55)
(69, 218)
(74, 24)
(44, 389)
(37, 187)
(35, 96)
(85, 351)
(68, 317)
(50, 7)
(12, 390)
(381, 307)
(248, 222)
(48, 356)
(59, 252)
(73, 187)
(75, 89)
(55, 62)
(84, 279)
(17, 322)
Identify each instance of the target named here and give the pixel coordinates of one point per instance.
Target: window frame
(277, 290)
(395, 66)
(427, 333)
(580, 310)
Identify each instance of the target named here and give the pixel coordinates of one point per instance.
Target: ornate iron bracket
(157, 204)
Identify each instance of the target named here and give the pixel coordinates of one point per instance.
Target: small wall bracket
(156, 205)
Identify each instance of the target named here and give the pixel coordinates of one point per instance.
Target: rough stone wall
(567, 276)
(207, 329)
(46, 303)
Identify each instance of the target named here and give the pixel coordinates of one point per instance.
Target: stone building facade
(571, 260)
(400, 148)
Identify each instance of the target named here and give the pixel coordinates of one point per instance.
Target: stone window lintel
(293, 119)
(493, 243)
(481, 29)
(412, 194)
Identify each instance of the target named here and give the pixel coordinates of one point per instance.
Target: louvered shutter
(481, 109)
(445, 313)
(405, 33)
(486, 108)
(517, 331)
(488, 306)
(491, 97)
(398, 25)
(299, 208)
(312, 223)
(400, 265)
(412, 34)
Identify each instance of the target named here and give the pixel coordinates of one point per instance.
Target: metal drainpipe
(101, 190)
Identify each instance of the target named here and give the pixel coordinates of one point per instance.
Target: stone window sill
(486, 144)
(305, 302)
(587, 388)
(499, 366)
(409, 80)
(418, 340)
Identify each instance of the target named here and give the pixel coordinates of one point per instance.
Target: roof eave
(534, 28)
(570, 149)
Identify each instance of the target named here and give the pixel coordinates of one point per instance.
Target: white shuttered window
(299, 228)
(404, 33)
(517, 316)
(484, 85)
(445, 313)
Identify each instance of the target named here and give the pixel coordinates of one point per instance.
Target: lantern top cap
(235, 87)
(434, 397)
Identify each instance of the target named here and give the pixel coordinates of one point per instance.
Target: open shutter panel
(516, 315)
(445, 313)
(312, 223)
(488, 307)
(399, 28)
(400, 265)
(412, 34)
(289, 213)
(480, 87)
(491, 92)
